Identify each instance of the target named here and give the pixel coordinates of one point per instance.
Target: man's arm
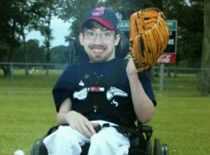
(143, 106)
(64, 109)
(76, 120)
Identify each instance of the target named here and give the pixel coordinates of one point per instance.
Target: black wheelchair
(140, 142)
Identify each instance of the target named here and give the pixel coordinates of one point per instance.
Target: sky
(59, 31)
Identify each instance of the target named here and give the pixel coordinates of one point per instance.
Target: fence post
(11, 70)
(162, 67)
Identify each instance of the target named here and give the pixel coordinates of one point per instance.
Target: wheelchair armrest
(145, 130)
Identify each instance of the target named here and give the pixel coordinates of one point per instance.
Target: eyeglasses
(102, 35)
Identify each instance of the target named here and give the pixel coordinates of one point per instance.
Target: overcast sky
(59, 30)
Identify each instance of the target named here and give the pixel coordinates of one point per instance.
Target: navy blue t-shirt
(100, 91)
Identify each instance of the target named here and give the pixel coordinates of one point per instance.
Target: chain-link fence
(167, 79)
(179, 80)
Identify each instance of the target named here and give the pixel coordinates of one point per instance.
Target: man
(104, 91)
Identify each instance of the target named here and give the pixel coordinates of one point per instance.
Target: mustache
(95, 46)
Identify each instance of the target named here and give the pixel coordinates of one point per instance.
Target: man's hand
(80, 123)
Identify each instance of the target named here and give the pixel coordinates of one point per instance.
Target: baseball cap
(104, 16)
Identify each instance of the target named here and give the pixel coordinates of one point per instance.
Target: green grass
(23, 118)
(183, 123)
(27, 112)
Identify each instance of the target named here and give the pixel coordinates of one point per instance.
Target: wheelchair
(140, 142)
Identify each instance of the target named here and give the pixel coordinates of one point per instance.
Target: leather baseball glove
(149, 36)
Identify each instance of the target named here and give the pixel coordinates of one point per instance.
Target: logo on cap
(104, 16)
(98, 11)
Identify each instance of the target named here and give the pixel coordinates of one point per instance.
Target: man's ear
(81, 38)
(117, 39)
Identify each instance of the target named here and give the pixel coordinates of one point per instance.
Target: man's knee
(107, 136)
(110, 141)
(65, 139)
(98, 140)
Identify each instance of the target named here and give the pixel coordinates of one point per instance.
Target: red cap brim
(103, 22)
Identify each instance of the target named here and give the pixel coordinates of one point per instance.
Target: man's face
(99, 44)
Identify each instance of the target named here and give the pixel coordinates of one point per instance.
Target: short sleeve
(63, 87)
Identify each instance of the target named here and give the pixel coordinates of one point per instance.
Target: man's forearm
(143, 106)
(64, 110)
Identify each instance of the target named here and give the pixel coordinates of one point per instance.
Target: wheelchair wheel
(38, 148)
(157, 147)
(164, 149)
(160, 149)
(149, 148)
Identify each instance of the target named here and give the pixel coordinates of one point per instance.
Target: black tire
(165, 149)
(149, 148)
(38, 148)
(157, 147)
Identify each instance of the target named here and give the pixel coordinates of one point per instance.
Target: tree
(74, 11)
(205, 70)
(47, 33)
(35, 52)
(59, 55)
(10, 28)
(16, 16)
(190, 29)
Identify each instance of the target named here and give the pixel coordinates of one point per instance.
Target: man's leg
(64, 141)
(108, 141)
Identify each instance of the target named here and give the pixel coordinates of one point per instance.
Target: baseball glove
(149, 36)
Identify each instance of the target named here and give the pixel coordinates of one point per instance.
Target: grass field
(27, 111)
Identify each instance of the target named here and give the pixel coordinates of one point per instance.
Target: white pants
(67, 141)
